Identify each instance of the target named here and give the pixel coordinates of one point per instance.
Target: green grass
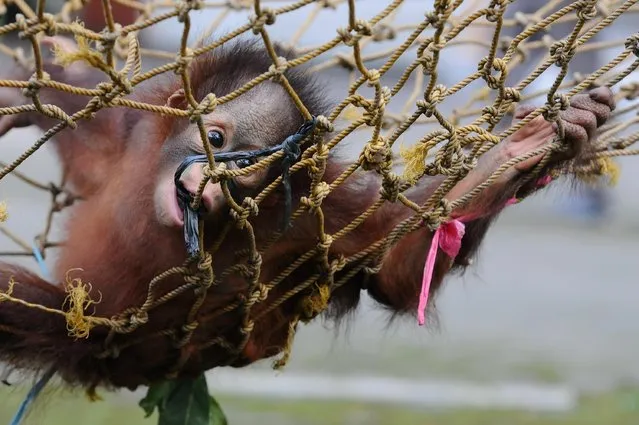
(617, 408)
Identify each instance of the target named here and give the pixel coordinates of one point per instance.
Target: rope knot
(390, 187)
(183, 61)
(49, 22)
(372, 270)
(630, 91)
(469, 164)
(267, 17)
(315, 303)
(511, 94)
(384, 32)
(278, 68)
(318, 193)
(251, 206)
(318, 164)
(562, 52)
(346, 36)
(362, 28)
(375, 154)
(35, 84)
(217, 175)
(324, 124)
(490, 114)
(189, 328)
(426, 62)
(248, 208)
(205, 107)
(494, 82)
(431, 220)
(262, 292)
(123, 82)
(109, 38)
(205, 262)
(239, 4)
(632, 44)
(325, 243)
(587, 11)
(21, 21)
(247, 327)
(432, 99)
(373, 77)
(559, 102)
(492, 11)
(204, 274)
(338, 264)
(138, 318)
(434, 218)
(104, 88)
(30, 27)
(433, 19)
(255, 261)
(185, 7)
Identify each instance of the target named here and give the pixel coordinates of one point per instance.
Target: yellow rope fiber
(4, 214)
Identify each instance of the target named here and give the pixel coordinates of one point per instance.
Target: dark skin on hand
(128, 228)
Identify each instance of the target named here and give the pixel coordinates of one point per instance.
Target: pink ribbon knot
(448, 237)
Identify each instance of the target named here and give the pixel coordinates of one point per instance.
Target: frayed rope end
(4, 215)
(601, 167)
(415, 159)
(83, 53)
(78, 324)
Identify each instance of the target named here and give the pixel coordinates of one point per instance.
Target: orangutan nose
(192, 178)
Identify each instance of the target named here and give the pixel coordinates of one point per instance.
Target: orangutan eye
(245, 162)
(216, 139)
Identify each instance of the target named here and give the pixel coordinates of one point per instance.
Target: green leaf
(187, 404)
(217, 415)
(183, 402)
(155, 397)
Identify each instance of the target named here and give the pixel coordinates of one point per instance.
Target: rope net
(368, 111)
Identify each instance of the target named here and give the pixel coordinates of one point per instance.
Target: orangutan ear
(177, 100)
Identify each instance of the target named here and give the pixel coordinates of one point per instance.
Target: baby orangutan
(129, 226)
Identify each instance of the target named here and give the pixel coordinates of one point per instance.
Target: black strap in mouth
(290, 147)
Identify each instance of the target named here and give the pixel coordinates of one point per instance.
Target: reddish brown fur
(113, 237)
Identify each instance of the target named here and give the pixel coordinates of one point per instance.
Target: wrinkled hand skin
(585, 114)
(580, 121)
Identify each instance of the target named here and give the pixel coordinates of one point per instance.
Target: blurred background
(542, 329)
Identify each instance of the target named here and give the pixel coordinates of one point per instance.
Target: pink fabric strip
(448, 236)
(427, 277)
